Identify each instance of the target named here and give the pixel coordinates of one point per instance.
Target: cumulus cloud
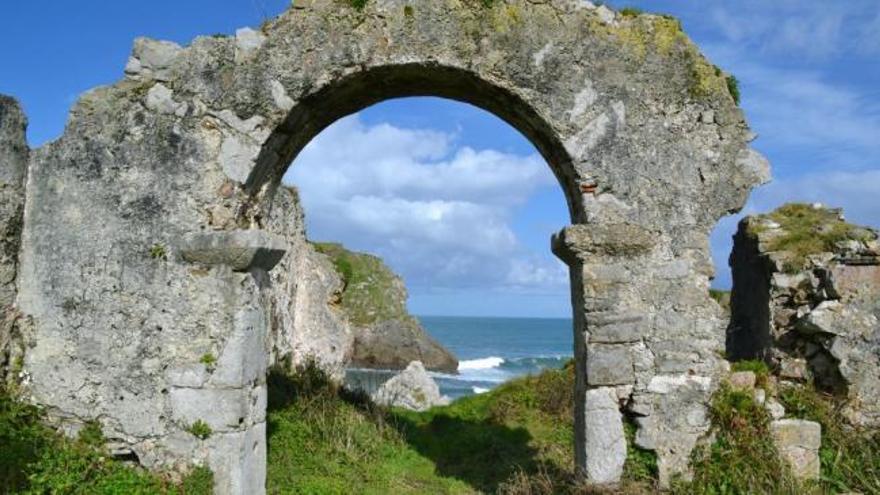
(438, 213)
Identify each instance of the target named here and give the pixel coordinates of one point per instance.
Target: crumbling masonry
(152, 226)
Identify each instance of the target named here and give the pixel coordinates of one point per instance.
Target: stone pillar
(232, 398)
(609, 328)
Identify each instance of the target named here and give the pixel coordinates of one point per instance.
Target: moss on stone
(805, 230)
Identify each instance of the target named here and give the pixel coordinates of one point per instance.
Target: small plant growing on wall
(209, 360)
(200, 430)
(158, 252)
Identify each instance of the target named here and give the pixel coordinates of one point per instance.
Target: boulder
(411, 389)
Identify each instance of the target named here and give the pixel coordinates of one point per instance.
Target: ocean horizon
(490, 350)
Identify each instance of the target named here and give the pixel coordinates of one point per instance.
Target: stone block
(609, 364)
(794, 369)
(605, 444)
(242, 250)
(798, 442)
(743, 380)
(221, 409)
(616, 328)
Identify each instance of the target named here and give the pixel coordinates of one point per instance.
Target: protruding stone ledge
(617, 240)
(242, 250)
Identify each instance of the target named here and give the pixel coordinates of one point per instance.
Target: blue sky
(478, 245)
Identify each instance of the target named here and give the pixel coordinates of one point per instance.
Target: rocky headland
(373, 299)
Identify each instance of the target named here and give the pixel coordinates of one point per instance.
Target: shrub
(200, 430)
(630, 12)
(208, 359)
(742, 458)
(35, 460)
(733, 87)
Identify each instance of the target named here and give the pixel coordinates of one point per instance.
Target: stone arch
(357, 91)
(150, 239)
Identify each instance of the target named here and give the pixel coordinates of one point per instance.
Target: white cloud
(439, 214)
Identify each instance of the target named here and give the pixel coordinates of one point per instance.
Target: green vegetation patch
(517, 438)
(722, 297)
(200, 430)
(807, 231)
(371, 291)
(36, 460)
(850, 456)
(742, 458)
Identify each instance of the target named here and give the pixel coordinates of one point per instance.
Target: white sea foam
(480, 390)
(480, 364)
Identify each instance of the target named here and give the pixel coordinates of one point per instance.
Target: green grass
(36, 460)
(808, 231)
(631, 12)
(516, 439)
(758, 367)
(850, 456)
(742, 459)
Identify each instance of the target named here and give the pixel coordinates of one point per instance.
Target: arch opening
(352, 93)
(514, 440)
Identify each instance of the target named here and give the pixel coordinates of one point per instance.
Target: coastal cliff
(341, 308)
(373, 298)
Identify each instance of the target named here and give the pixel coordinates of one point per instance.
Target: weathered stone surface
(411, 389)
(388, 344)
(814, 315)
(13, 168)
(798, 442)
(615, 104)
(307, 322)
(605, 446)
(241, 250)
(743, 380)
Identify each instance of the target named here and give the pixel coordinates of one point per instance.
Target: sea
(490, 350)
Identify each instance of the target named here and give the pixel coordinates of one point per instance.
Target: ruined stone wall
(814, 316)
(150, 240)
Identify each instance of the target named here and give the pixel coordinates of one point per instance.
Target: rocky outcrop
(806, 298)
(411, 389)
(373, 299)
(13, 168)
(308, 322)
